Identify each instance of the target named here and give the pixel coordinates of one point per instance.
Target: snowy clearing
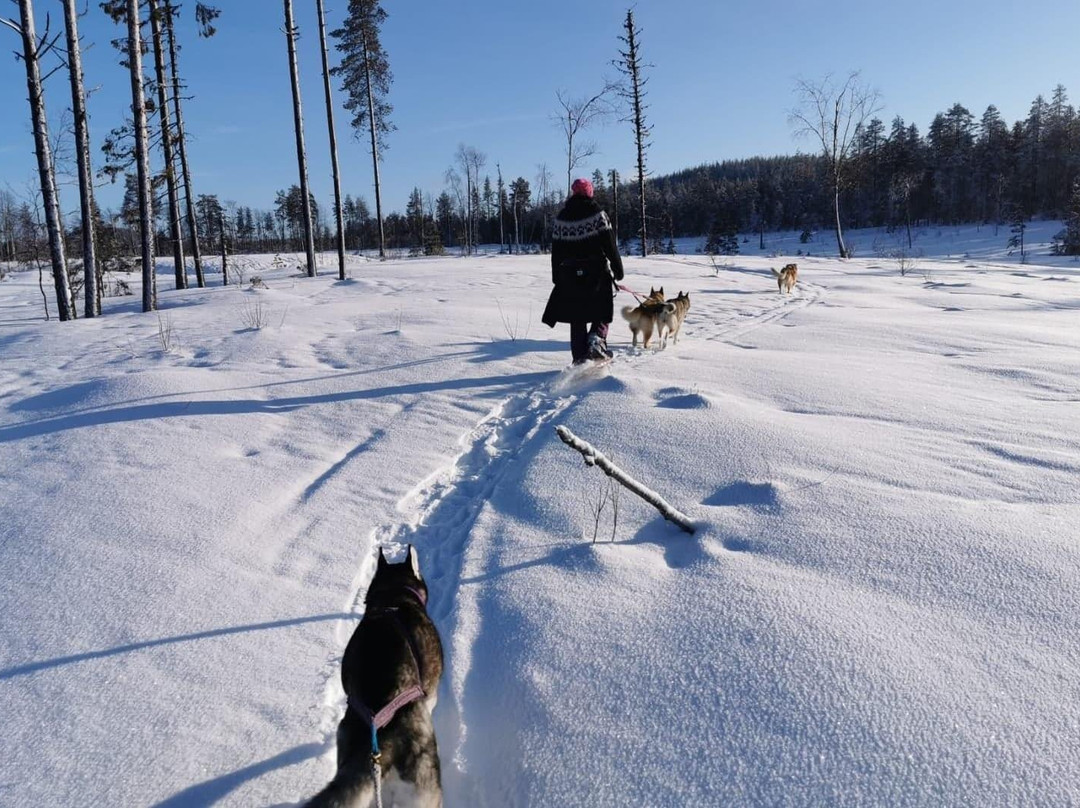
(881, 604)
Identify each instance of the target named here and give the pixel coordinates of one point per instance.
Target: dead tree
(339, 216)
(175, 235)
(32, 50)
(633, 92)
(471, 161)
(301, 152)
(574, 116)
(832, 115)
(502, 203)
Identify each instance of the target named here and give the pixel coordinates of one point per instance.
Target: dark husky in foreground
(394, 660)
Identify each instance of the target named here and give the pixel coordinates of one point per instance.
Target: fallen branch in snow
(595, 458)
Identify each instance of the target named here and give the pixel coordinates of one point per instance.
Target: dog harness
(378, 720)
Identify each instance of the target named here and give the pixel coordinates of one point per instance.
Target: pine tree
(291, 35)
(142, 155)
(32, 51)
(1067, 242)
(175, 235)
(205, 16)
(366, 78)
(338, 213)
(631, 66)
(91, 273)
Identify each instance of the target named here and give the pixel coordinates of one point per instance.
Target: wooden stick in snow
(596, 458)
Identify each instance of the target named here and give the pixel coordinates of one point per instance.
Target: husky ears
(414, 563)
(660, 291)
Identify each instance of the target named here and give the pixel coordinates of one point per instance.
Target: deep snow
(880, 607)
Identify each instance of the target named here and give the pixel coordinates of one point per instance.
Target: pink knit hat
(582, 187)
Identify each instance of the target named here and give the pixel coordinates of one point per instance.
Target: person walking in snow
(584, 257)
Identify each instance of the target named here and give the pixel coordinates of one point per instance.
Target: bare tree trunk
(298, 125)
(82, 152)
(340, 218)
(142, 157)
(46, 170)
(181, 143)
(615, 203)
(836, 207)
(502, 237)
(224, 253)
(175, 234)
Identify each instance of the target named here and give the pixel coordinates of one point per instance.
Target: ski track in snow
(442, 509)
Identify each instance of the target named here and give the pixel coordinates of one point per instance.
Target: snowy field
(881, 605)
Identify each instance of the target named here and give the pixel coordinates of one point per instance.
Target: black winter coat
(582, 246)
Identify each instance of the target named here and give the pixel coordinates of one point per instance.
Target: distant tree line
(964, 169)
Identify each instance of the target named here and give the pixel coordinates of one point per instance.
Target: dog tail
(774, 271)
(669, 307)
(627, 312)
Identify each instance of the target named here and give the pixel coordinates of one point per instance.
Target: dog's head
(655, 295)
(392, 579)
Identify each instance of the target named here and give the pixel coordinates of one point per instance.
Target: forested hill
(965, 168)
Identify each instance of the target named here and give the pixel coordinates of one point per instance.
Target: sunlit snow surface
(881, 606)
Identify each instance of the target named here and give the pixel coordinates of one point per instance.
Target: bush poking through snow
(118, 287)
(257, 282)
(513, 328)
(595, 501)
(254, 314)
(166, 338)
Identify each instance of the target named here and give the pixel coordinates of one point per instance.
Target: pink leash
(622, 288)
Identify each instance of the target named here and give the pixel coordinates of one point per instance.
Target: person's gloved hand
(617, 271)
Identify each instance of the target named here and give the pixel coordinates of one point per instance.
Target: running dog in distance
(786, 277)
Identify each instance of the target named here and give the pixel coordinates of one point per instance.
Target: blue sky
(485, 74)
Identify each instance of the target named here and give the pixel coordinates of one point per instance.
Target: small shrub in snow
(257, 282)
(165, 332)
(513, 328)
(254, 314)
(117, 287)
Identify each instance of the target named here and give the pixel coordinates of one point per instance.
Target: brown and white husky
(786, 277)
(644, 318)
(672, 316)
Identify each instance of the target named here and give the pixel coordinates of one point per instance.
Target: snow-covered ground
(881, 605)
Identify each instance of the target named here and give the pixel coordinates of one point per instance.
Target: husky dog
(394, 660)
(645, 317)
(672, 316)
(786, 277)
